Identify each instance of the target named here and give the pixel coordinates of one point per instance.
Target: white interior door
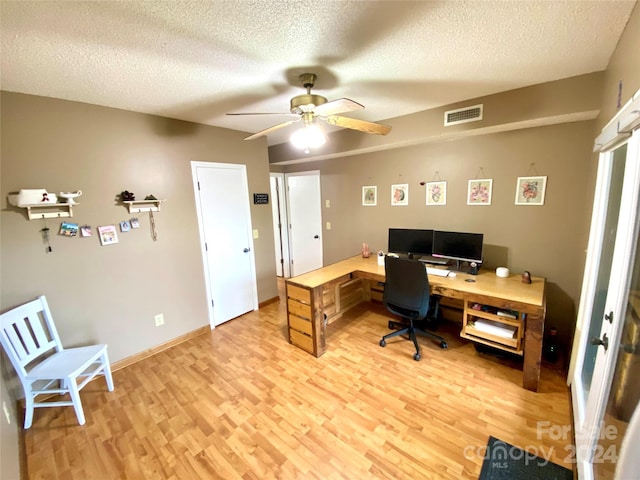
(305, 221)
(280, 233)
(222, 199)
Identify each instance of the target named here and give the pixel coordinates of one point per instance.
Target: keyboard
(440, 272)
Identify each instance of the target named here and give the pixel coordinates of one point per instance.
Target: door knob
(604, 341)
(246, 250)
(316, 236)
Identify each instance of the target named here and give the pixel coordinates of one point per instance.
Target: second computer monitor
(460, 246)
(410, 241)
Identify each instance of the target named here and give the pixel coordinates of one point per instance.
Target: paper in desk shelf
(495, 328)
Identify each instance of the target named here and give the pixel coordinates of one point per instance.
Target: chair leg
(404, 331)
(75, 398)
(438, 338)
(28, 408)
(412, 336)
(106, 368)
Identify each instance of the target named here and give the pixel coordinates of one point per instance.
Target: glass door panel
(618, 160)
(625, 388)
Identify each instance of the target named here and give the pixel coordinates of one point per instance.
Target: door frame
(279, 204)
(201, 233)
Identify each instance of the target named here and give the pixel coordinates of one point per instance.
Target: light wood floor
(241, 403)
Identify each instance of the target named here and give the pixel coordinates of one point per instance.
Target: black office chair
(406, 293)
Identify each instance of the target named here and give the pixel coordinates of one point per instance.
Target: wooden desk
(317, 298)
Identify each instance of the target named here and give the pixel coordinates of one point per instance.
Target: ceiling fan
(308, 108)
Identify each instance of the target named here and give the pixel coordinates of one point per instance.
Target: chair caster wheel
(443, 344)
(416, 357)
(391, 325)
(383, 343)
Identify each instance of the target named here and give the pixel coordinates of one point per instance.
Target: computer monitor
(466, 247)
(410, 241)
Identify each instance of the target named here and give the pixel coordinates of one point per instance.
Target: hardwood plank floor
(239, 402)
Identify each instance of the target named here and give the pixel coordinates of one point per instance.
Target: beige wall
(110, 294)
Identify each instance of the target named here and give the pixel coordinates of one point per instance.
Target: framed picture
(436, 193)
(68, 229)
(400, 194)
(135, 223)
(479, 192)
(370, 196)
(108, 235)
(85, 231)
(125, 226)
(530, 190)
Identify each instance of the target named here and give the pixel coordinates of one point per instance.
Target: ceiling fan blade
(271, 129)
(340, 105)
(356, 124)
(265, 113)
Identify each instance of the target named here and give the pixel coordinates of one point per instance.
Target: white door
(305, 221)
(222, 203)
(280, 233)
(604, 367)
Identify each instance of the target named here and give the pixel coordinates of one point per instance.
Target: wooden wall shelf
(49, 210)
(139, 206)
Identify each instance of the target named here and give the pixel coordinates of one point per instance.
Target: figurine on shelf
(150, 197)
(127, 196)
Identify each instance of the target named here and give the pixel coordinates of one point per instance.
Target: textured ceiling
(197, 60)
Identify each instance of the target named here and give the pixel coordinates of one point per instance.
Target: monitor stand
(433, 260)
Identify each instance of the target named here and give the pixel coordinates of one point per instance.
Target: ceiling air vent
(463, 115)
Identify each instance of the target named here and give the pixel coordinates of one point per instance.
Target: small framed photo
(530, 190)
(436, 193)
(135, 223)
(370, 196)
(68, 229)
(125, 226)
(479, 192)
(108, 235)
(400, 194)
(85, 231)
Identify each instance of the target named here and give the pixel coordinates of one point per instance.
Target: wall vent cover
(463, 115)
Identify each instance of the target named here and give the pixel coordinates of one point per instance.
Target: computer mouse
(452, 274)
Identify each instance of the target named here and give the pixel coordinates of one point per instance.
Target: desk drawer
(297, 293)
(300, 324)
(299, 309)
(301, 340)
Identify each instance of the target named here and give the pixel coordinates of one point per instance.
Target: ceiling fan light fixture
(309, 136)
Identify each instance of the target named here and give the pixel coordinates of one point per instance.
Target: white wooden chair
(29, 337)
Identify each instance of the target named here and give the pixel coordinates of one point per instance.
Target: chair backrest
(28, 332)
(406, 288)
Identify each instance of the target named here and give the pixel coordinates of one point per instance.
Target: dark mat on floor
(503, 461)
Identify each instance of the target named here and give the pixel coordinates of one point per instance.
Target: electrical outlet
(159, 319)
(6, 412)
(328, 225)
(327, 203)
